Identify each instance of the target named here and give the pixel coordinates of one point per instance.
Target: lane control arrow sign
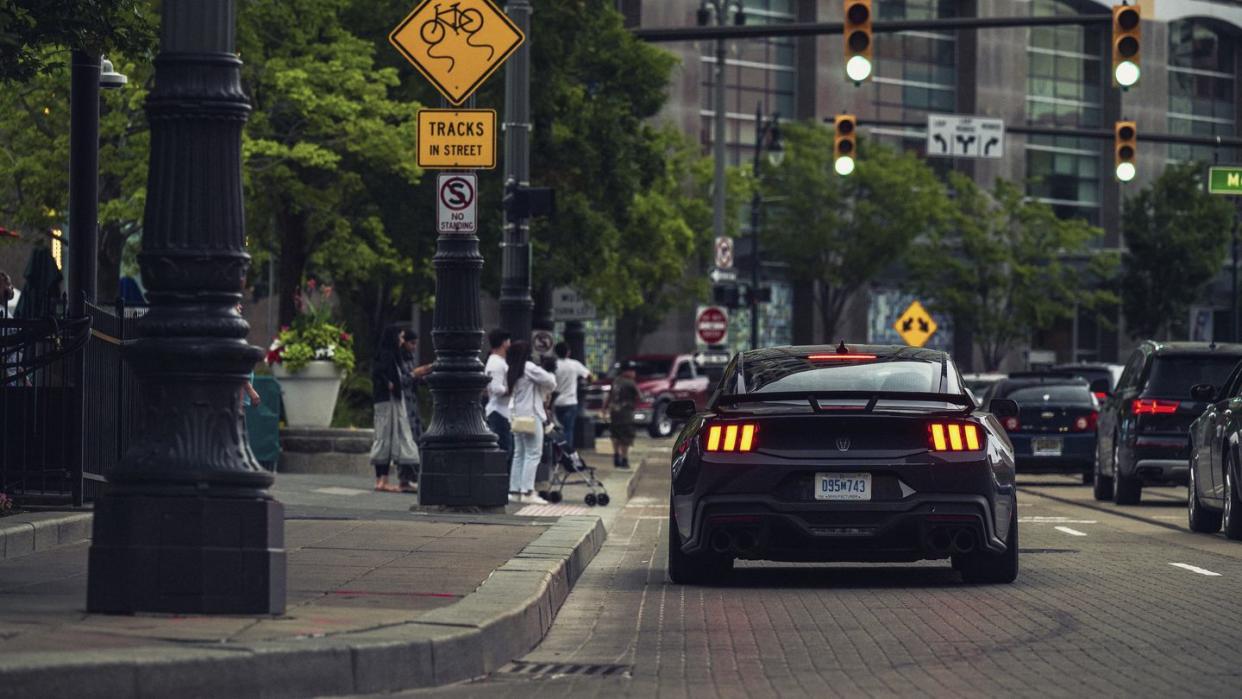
(916, 325)
(456, 44)
(457, 203)
(957, 136)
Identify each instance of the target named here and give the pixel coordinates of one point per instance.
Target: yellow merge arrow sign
(456, 44)
(915, 325)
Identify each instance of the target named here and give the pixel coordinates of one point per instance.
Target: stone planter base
(325, 450)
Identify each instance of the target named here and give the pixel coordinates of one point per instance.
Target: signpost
(916, 325)
(457, 45)
(457, 203)
(955, 136)
(457, 138)
(712, 325)
(724, 252)
(542, 342)
(722, 275)
(568, 305)
(1226, 180)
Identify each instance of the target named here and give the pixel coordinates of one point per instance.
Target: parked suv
(1144, 426)
(662, 378)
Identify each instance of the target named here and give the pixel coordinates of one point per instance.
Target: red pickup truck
(661, 378)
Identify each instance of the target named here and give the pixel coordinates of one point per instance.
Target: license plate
(1046, 446)
(843, 486)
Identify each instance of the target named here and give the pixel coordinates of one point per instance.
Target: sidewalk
(378, 599)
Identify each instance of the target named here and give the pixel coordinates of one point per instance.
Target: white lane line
(347, 492)
(1196, 569)
(1055, 520)
(1071, 532)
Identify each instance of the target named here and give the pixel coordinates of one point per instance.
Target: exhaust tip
(940, 539)
(746, 540)
(963, 541)
(721, 541)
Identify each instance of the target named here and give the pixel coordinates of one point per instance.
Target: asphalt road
(1113, 601)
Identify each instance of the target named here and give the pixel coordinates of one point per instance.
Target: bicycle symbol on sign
(468, 21)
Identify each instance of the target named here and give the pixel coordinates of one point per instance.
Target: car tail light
(954, 436)
(1153, 406)
(840, 357)
(735, 437)
(1011, 424)
(1100, 395)
(1085, 423)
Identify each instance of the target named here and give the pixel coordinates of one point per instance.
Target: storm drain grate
(1047, 550)
(519, 667)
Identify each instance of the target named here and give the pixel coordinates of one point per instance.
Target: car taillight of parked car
(954, 436)
(1100, 396)
(736, 437)
(1011, 424)
(1086, 423)
(1153, 406)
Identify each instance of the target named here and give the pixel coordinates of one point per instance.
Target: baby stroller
(569, 469)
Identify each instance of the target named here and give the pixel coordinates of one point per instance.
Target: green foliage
(1176, 235)
(841, 232)
(313, 335)
(1003, 266)
(31, 31)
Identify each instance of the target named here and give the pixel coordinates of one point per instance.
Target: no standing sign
(457, 203)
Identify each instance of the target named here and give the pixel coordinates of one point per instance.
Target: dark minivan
(1054, 430)
(1144, 426)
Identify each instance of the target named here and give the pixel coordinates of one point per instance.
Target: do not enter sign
(712, 325)
(457, 203)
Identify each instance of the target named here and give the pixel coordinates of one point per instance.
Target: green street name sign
(1225, 180)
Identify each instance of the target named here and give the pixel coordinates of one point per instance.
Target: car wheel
(661, 423)
(988, 568)
(1233, 505)
(1127, 490)
(1200, 519)
(1103, 489)
(686, 569)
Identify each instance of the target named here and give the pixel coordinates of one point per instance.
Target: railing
(63, 435)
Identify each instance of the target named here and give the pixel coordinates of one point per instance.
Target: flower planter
(310, 394)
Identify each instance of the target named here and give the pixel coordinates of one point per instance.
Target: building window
(1064, 86)
(915, 71)
(756, 71)
(1202, 87)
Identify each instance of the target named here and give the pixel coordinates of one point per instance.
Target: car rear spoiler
(872, 397)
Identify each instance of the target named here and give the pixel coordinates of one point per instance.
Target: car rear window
(1066, 394)
(1173, 376)
(1091, 375)
(914, 376)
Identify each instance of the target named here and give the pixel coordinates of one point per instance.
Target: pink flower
(311, 284)
(327, 292)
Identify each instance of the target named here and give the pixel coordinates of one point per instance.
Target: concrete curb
(503, 619)
(31, 532)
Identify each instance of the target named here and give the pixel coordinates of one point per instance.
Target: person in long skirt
(411, 376)
(394, 441)
(527, 383)
(621, 401)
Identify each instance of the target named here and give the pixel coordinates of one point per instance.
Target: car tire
(1127, 490)
(1088, 476)
(687, 569)
(1103, 489)
(1232, 516)
(1199, 518)
(985, 568)
(661, 424)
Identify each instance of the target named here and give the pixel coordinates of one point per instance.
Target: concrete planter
(310, 394)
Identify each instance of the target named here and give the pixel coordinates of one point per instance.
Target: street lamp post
(719, 10)
(516, 304)
(766, 133)
(186, 524)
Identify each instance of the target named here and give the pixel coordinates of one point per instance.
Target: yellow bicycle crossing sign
(456, 44)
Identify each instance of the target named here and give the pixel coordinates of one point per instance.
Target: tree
(29, 28)
(324, 124)
(1003, 266)
(839, 233)
(1176, 235)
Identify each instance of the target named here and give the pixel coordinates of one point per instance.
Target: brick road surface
(1098, 609)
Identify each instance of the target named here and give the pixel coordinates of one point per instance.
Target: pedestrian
(411, 376)
(526, 382)
(393, 441)
(621, 401)
(249, 396)
(569, 372)
(9, 295)
(497, 410)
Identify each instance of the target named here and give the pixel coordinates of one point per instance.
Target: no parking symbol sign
(457, 203)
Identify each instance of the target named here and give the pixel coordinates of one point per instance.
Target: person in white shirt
(497, 411)
(9, 296)
(526, 380)
(569, 372)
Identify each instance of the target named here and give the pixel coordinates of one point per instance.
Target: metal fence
(68, 403)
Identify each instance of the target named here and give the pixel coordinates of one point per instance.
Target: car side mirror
(1003, 407)
(1204, 392)
(1101, 386)
(681, 409)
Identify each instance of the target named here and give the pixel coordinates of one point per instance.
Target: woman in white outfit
(526, 381)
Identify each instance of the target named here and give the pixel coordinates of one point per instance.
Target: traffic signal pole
(668, 34)
(516, 304)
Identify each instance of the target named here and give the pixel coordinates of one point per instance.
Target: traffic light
(858, 39)
(1125, 145)
(845, 144)
(727, 295)
(1127, 35)
(528, 202)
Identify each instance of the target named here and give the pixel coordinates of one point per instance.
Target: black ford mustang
(859, 453)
